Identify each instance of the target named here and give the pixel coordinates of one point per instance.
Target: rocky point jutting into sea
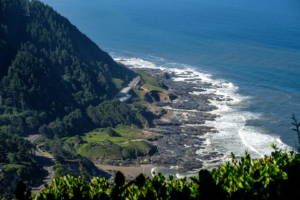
(183, 131)
(184, 144)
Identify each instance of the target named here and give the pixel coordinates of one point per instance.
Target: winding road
(47, 162)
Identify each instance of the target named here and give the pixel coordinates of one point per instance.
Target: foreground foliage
(274, 177)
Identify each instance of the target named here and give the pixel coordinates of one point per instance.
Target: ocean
(250, 48)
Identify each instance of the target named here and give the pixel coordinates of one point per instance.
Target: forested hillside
(54, 80)
(48, 68)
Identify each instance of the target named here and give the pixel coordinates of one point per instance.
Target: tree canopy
(13, 148)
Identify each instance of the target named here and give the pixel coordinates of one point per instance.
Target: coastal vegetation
(102, 144)
(16, 163)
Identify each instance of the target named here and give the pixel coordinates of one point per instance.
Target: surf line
(243, 139)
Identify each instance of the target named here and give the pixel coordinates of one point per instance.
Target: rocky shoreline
(181, 132)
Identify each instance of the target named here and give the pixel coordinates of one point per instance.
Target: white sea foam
(234, 135)
(229, 85)
(175, 167)
(245, 143)
(178, 175)
(153, 170)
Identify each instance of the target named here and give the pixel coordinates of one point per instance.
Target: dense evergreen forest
(49, 70)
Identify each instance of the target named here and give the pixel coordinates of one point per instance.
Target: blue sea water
(253, 45)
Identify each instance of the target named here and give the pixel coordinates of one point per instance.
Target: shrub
(273, 177)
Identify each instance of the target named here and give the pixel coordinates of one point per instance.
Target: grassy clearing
(148, 79)
(127, 133)
(151, 82)
(118, 83)
(153, 88)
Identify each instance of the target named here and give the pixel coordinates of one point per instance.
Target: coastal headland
(176, 112)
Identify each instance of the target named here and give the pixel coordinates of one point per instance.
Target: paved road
(47, 162)
(31, 138)
(122, 95)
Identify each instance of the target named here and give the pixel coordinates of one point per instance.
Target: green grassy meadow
(118, 83)
(127, 133)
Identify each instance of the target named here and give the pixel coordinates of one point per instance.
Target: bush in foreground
(274, 177)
